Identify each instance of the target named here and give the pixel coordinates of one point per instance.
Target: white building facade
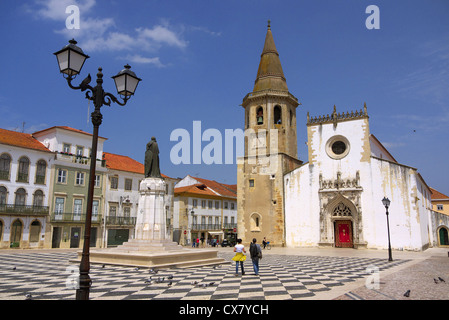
(335, 199)
(24, 190)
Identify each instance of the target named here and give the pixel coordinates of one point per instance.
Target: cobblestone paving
(49, 276)
(421, 278)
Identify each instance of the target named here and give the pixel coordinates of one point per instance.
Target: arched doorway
(443, 238)
(35, 230)
(343, 229)
(16, 233)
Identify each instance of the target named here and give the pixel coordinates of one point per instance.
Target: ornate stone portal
(340, 209)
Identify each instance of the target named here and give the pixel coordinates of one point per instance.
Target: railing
(78, 159)
(22, 177)
(72, 217)
(213, 226)
(4, 175)
(23, 209)
(120, 221)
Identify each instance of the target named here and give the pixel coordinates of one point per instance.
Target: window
(126, 211)
(41, 167)
(3, 194)
(209, 204)
(66, 148)
(114, 182)
(97, 180)
(20, 197)
(251, 183)
(439, 207)
(217, 205)
(277, 115)
(128, 184)
(77, 208)
(203, 204)
(5, 161)
(62, 176)
(79, 151)
(95, 204)
(112, 210)
(232, 205)
(59, 205)
(24, 165)
(259, 115)
(79, 181)
(225, 204)
(38, 198)
(195, 203)
(337, 147)
(217, 220)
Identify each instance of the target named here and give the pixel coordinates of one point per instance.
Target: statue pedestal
(151, 246)
(151, 217)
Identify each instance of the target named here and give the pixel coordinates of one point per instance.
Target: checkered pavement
(49, 275)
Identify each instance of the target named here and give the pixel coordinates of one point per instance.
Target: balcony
(69, 157)
(23, 209)
(120, 221)
(206, 226)
(73, 217)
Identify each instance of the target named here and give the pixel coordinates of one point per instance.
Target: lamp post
(70, 60)
(386, 203)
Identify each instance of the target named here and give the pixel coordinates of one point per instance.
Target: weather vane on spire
(269, 22)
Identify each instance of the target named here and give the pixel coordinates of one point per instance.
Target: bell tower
(270, 151)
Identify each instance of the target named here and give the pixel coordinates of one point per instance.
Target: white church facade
(333, 198)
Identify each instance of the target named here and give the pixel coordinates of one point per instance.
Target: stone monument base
(154, 254)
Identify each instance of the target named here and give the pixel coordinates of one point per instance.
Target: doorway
(56, 238)
(443, 235)
(343, 234)
(75, 237)
(16, 234)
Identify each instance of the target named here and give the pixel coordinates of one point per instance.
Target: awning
(216, 233)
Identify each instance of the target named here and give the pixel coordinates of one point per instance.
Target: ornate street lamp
(70, 60)
(386, 203)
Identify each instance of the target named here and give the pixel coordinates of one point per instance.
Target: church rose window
(337, 147)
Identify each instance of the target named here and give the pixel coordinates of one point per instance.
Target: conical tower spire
(270, 74)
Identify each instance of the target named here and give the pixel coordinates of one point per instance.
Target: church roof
(270, 74)
(19, 139)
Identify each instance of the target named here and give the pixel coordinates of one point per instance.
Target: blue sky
(198, 59)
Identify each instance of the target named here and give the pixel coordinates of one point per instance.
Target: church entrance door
(343, 234)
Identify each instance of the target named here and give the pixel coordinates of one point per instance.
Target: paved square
(48, 275)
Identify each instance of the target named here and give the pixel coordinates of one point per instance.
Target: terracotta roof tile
(124, 163)
(438, 195)
(69, 129)
(199, 189)
(213, 188)
(19, 139)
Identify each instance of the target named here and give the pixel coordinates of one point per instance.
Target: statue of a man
(152, 160)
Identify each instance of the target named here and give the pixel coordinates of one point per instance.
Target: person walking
(240, 256)
(264, 242)
(256, 253)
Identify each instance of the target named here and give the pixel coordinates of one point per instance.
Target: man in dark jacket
(256, 254)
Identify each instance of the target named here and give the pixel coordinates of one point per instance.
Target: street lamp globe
(126, 82)
(71, 59)
(386, 202)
